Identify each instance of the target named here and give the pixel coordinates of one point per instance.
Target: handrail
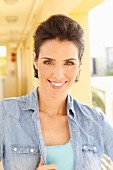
(106, 163)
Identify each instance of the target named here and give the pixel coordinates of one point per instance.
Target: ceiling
(19, 17)
(15, 19)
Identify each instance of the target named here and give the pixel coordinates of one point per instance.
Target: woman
(48, 129)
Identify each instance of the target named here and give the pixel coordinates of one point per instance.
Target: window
(3, 53)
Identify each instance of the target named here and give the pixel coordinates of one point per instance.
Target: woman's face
(57, 66)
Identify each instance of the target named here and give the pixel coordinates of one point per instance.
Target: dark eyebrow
(70, 59)
(54, 59)
(48, 58)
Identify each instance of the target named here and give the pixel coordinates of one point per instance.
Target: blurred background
(18, 21)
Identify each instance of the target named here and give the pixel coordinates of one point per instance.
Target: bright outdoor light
(2, 51)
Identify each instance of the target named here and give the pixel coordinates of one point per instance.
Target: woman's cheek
(72, 73)
(44, 72)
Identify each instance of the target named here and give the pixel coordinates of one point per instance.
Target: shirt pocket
(25, 157)
(91, 157)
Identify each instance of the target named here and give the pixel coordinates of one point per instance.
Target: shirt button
(95, 149)
(31, 150)
(74, 129)
(85, 147)
(15, 149)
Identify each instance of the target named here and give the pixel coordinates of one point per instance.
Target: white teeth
(57, 84)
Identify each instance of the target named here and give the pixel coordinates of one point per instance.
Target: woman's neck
(52, 106)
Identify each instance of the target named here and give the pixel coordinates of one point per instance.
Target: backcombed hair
(58, 27)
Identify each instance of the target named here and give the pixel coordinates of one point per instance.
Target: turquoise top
(61, 155)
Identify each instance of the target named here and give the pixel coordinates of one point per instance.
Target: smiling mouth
(57, 84)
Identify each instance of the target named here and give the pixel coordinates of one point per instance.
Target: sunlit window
(3, 54)
(101, 39)
(3, 51)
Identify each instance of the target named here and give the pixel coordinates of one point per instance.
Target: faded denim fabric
(21, 141)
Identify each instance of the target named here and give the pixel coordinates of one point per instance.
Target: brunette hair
(58, 27)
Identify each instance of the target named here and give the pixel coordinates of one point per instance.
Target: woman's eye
(69, 63)
(48, 62)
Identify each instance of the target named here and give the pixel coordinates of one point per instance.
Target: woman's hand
(41, 166)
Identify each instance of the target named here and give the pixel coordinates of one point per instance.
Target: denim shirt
(21, 140)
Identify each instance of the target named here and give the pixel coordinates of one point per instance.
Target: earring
(77, 77)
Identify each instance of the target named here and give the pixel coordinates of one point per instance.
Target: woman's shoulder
(17, 99)
(87, 111)
(9, 106)
(24, 102)
(17, 107)
(11, 100)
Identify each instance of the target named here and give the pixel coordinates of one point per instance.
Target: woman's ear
(79, 70)
(80, 63)
(35, 60)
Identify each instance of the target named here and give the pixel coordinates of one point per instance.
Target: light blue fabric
(61, 155)
(21, 138)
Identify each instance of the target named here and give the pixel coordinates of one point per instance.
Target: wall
(10, 85)
(82, 90)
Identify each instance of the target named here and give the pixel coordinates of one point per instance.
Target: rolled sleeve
(107, 137)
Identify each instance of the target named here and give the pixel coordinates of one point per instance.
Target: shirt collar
(30, 101)
(70, 106)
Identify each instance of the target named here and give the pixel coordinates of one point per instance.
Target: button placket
(76, 142)
(34, 116)
(39, 135)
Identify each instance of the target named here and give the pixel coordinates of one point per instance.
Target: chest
(22, 146)
(55, 130)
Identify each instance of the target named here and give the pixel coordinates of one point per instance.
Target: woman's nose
(58, 72)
